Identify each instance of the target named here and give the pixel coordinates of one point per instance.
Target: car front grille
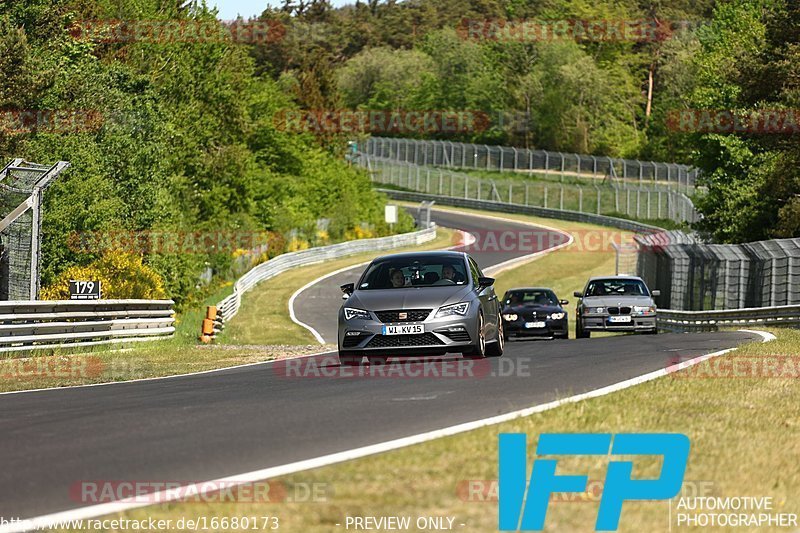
(397, 341)
(619, 310)
(532, 315)
(411, 315)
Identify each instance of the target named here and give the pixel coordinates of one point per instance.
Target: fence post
(628, 202)
(561, 199)
(545, 196)
(659, 204)
(580, 199)
(526, 194)
(598, 200)
(638, 201)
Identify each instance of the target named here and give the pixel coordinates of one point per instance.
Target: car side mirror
(564, 302)
(348, 288)
(577, 294)
(656, 292)
(484, 282)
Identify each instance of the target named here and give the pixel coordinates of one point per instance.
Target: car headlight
(511, 317)
(455, 309)
(556, 316)
(644, 309)
(351, 313)
(596, 310)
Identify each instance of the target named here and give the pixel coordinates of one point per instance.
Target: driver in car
(398, 279)
(448, 272)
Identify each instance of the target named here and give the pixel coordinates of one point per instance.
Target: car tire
(349, 360)
(478, 350)
(653, 331)
(581, 333)
(563, 336)
(496, 348)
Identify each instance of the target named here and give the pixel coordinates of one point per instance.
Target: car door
(488, 300)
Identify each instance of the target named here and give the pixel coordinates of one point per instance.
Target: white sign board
(391, 214)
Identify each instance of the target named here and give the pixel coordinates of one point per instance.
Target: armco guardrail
(503, 207)
(30, 325)
(227, 308)
(689, 321)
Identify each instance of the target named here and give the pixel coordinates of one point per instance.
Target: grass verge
(745, 439)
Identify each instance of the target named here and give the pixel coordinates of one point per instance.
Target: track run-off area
(274, 418)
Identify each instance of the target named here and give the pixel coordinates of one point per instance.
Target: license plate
(403, 330)
(534, 324)
(618, 319)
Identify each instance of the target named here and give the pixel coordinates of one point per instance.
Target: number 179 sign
(84, 290)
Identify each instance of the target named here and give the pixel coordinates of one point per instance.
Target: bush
(121, 276)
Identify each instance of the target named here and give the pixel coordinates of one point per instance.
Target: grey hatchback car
(420, 303)
(615, 303)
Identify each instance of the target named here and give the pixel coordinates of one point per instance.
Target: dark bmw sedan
(534, 311)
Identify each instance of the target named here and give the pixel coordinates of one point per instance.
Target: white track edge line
(93, 511)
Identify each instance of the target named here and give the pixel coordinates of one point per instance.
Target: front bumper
(551, 328)
(601, 323)
(439, 336)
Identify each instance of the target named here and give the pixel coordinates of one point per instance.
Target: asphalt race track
(210, 426)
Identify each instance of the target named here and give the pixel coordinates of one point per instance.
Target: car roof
(530, 289)
(595, 278)
(442, 254)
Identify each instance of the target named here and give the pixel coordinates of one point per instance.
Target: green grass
(745, 439)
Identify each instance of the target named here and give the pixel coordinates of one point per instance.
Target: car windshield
(399, 273)
(530, 297)
(617, 287)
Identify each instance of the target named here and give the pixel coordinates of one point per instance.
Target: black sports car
(534, 311)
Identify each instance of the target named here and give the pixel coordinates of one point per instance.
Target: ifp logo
(528, 514)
